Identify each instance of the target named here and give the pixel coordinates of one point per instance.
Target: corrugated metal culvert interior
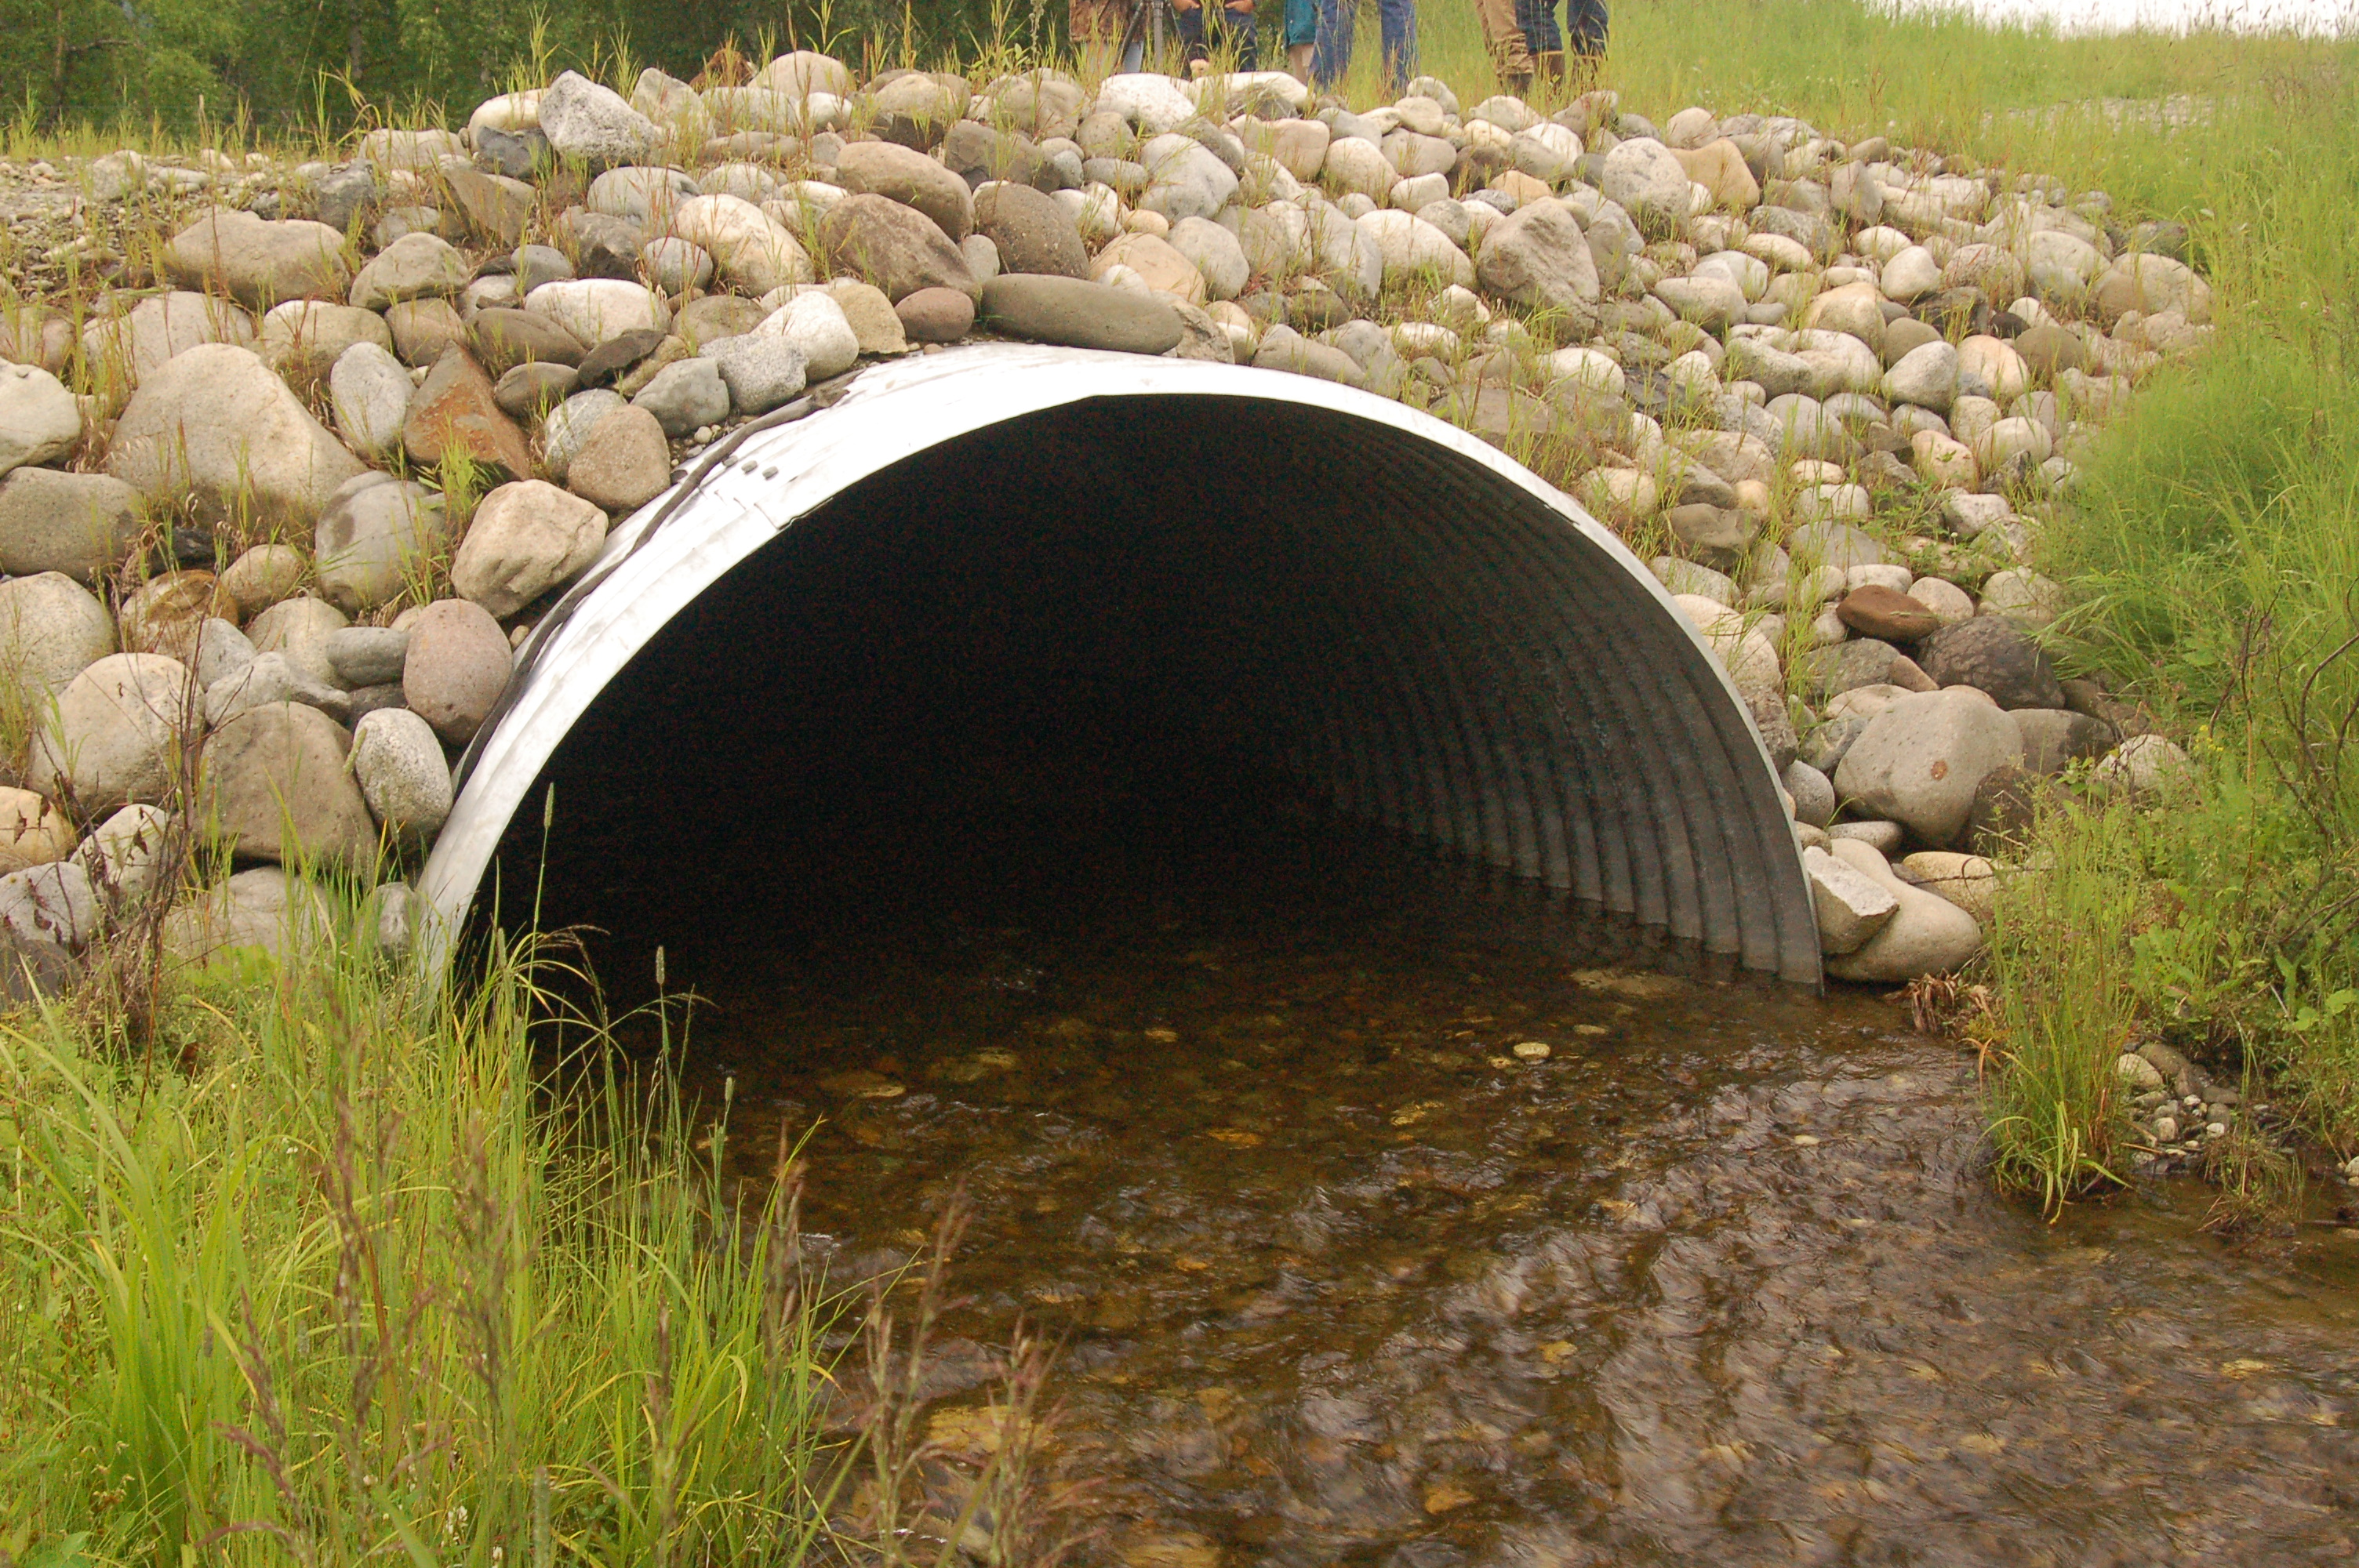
(1144, 597)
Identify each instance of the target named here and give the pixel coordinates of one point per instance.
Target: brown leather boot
(1549, 66)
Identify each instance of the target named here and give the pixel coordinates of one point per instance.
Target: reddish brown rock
(1874, 610)
(454, 411)
(936, 316)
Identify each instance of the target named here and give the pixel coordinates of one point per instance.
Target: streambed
(1342, 1275)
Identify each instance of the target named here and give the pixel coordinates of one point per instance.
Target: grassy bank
(2212, 554)
(326, 1276)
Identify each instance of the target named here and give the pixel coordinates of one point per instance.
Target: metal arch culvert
(1439, 642)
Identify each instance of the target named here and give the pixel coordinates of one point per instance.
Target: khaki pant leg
(1509, 52)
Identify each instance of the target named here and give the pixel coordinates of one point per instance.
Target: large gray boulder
(457, 664)
(1032, 232)
(374, 539)
(124, 348)
(910, 178)
(117, 733)
(39, 421)
(1920, 761)
(256, 262)
(124, 853)
(896, 248)
(399, 761)
(303, 339)
(215, 425)
(415, 266)
(1079, 314)
(262, 912)
(274, 786)
(80, 524)
(1642, 177)
(527, 538)
(56, 903)
(1851, 905)
(300, 628)
(1184, 179)
(51, 629)
(589, 123)
(1993, 654)
(369, 392)
(1536, 256)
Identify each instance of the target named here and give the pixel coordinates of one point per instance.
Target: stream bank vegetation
(339, 1269)
(321, 1268)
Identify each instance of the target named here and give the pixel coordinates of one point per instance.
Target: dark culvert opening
(1088, 656)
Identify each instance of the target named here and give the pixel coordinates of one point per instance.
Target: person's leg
(1333, 56)
(1189, 22)
(1537, 19)
(1243, 32)
(1301, 37)
(1509, 58)
(1397, 24)
(1587, 21)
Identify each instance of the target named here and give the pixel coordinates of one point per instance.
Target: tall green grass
(2212, 549)
(344, 1280)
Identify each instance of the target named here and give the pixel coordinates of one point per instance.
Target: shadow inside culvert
(1038, 675)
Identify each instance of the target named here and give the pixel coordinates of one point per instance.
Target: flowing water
(1392, 1219)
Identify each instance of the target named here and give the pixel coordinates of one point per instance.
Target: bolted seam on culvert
(1458, 652)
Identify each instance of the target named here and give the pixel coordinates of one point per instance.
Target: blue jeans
(1397, 26)
(1585, 19)
(1237, 27)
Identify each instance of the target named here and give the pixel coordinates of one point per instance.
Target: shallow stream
(1349, 1268)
